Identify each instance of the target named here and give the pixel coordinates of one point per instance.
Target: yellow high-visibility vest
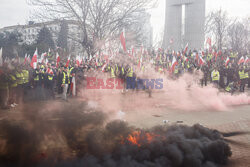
(65, 74)
(242, 74)
(37, 76)
(14, 81)
(131, 72)
(19, 77)
(123, 72)
(215, 76)
(26, 76)
(112, 72)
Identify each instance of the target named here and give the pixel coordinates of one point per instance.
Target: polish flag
(186, 49)
(78, 60)
(201, 62)
(50, 71)
(227, 61)
(68, 61)
(33, 62)
(123, 42)
(247, 60)
(28, 59)
(133, 52)
(242, 60)
(104, 66)
(197, 56)
(81, 60)
(174, 63)
(90, 58)
(25, 59)
(185, 59)
(216, 56)
(209, 41)
(42, 58)
(57, 60)
(140, 63)
(46, 61)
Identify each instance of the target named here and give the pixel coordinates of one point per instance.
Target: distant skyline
(13, 12)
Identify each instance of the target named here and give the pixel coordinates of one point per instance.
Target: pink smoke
(182, 94)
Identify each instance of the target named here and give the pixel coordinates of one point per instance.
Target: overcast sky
(14, 12)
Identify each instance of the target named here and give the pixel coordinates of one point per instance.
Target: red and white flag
(201, 62)
(33, 62)
(1, 57)
(42, 58)
(46, 61)
(68, 61)
(140, 62)
(57, 60)
(247, 60)
(104, 66)
(185, 59)
(174, 63)
(78, 60)
(28, 59)
(25, 59)
(227, 61)
(123, 42)
(215, 56)
(209, 41)
(50, 71)
(186, 49)
(242, 60)
(133, 52)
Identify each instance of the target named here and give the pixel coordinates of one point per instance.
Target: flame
(138, 138)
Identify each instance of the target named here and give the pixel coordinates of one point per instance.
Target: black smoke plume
(75, 135)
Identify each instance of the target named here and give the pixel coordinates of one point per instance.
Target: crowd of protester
(20, 83)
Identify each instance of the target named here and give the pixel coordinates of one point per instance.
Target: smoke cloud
(182, 94)
(75, 134)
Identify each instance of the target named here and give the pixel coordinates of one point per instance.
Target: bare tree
(98, 20)
(217, 24)
(238, 36)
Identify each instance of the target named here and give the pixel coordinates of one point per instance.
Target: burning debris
(75, 136)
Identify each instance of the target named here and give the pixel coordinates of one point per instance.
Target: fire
(139, 137)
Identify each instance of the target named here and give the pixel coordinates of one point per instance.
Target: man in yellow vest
(37, 83)
(112, 71)
(49, 82)
(242, 77)
(130, 79)
(231, 87)
(215, 75)
(65, 82)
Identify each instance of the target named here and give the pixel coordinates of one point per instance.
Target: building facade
(29, 33)
(184, 23)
